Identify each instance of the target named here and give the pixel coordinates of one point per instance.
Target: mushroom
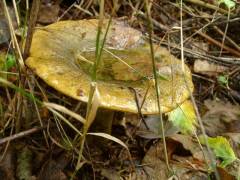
(62, 54)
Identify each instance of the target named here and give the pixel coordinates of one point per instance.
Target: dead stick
(222, 33)
(20, 135)
(207, 5)
(227, 37)
(13, 35)
(213, 41)
(32, 23)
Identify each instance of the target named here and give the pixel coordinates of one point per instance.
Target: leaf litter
(221, 118)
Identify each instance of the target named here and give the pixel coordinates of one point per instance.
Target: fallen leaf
(153, 130)
(184, 118)
(220, 118)
(221, 149)
(155, 166)
(189, 144)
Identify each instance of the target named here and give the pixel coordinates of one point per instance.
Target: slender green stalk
(225, 32)
(93, 87)
(32, 22)
(23, 35)
(210, 153)
(13, 37)
(85, 128)
(212, 159)
(16, 12)
(99, 49)
(98, 42)
(150, 27)
(21, 91)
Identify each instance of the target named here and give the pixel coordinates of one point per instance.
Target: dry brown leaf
(221, 118)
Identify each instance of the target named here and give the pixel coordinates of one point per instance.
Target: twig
(150, 30)
(222, 33)
(202, 77)
(228, 38)
(198, 117)
(32, 23)
(20, 135)
(219, 60)
(213, 41)
(16, 12)
(82, 9)
(138, 107)
(66, 11)
(37, 112)
(163, 10)
(207, 5)
(141, 15)
(13, 36)
(8, 143)
(224, 21)
(225, 33)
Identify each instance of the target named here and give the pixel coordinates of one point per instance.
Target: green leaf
(11, 61)
(229, 3)
(223, 80)
(184, 118)
(221, 149)
(7, 61)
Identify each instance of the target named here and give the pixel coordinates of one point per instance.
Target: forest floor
(37, 142)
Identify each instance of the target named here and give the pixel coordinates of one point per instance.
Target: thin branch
(219, 44)
(20, 135)
(32, 23)
(13, 36)
(207, 5)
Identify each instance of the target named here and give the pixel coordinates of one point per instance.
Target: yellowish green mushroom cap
(62, 54)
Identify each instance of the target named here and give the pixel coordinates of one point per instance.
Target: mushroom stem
(103, 121)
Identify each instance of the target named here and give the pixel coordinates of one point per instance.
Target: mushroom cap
(62, 54)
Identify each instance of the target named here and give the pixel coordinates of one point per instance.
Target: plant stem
(193, 100)
(90, 117)
(150, 27)
(13, 37)
(31, 26)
